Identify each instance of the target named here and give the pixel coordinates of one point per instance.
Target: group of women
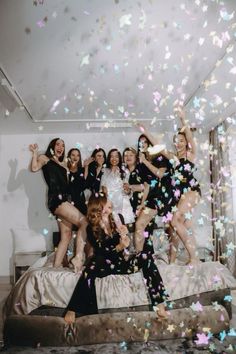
(130, 190)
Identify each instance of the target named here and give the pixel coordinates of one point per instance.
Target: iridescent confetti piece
(216, 306)
(232, 332)
(85, 60)
(125, 20)
(201, 41)
(233, 70)
(123, 345)
(54, 106)
(225, 15)
(188, 215)
(228, 298)
(196, 307)
(202, 339)
(212, 347)
(143, 20)
(222, 336)
(45, 232)
(171, 328)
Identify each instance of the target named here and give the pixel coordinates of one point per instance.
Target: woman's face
(107, 209)
(180, 142)
(59, 148)
(114, 158)
(99, 158)
(129, 158)
(143, 144)
(74, 157)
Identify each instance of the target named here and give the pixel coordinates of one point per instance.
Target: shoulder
(190, 156)
(43, 159)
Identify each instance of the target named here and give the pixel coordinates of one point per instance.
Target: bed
(199, 298)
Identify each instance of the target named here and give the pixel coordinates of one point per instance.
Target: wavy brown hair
(94, 215)
(69, 164)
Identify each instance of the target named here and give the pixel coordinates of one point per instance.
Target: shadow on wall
(35, 190)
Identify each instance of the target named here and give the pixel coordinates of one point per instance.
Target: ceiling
(90, 62)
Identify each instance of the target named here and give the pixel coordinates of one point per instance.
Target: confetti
(125, 20)
(202, 339)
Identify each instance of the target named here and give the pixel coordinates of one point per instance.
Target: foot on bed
(193, 262)
(161, 313)
(77, 263)
(70, 317)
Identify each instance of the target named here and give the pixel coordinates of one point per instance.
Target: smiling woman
(59, 199)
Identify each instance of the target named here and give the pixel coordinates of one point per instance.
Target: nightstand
(22, 261)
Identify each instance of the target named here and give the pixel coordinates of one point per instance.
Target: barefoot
(70, 317)
(193, 262)
(161, 312)
(77, 263)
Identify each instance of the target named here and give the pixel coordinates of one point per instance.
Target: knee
(176, 220)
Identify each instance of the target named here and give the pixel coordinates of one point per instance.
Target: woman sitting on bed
(109, 242)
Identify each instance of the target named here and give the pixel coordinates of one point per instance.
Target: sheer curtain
(222, 155)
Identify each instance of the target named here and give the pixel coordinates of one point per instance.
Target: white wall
(23, 193)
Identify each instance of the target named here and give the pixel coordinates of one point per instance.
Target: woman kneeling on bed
(109, 242)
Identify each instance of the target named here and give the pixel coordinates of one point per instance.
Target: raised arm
(155, 141)
(159, 172)
(87, 162)
(145, 132)
(37, 161)
(186, 129)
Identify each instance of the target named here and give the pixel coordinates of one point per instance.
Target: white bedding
(54, 287)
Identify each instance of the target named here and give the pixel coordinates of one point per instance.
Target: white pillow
(26, 240)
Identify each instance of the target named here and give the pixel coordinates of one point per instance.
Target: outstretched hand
(33, 147)
(180, 112)
(88, 161)
(124, 239)
(142, 157)
(12, 163)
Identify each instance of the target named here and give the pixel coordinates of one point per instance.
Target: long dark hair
(108, 162)
(96, 204)
(184, 135)
(95, 151)
(149, 144)
(79, 164)
(50, 149)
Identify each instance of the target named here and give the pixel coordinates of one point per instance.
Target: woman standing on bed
(59, 199)
(112, 185)
(109, 242)
(76, 180)
(186, 189)
(94, 170)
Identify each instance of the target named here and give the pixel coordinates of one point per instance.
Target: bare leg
(65, 231)
(174, 243)
(185, 206)
(69, 317)
(143, 220)
(71, 215)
